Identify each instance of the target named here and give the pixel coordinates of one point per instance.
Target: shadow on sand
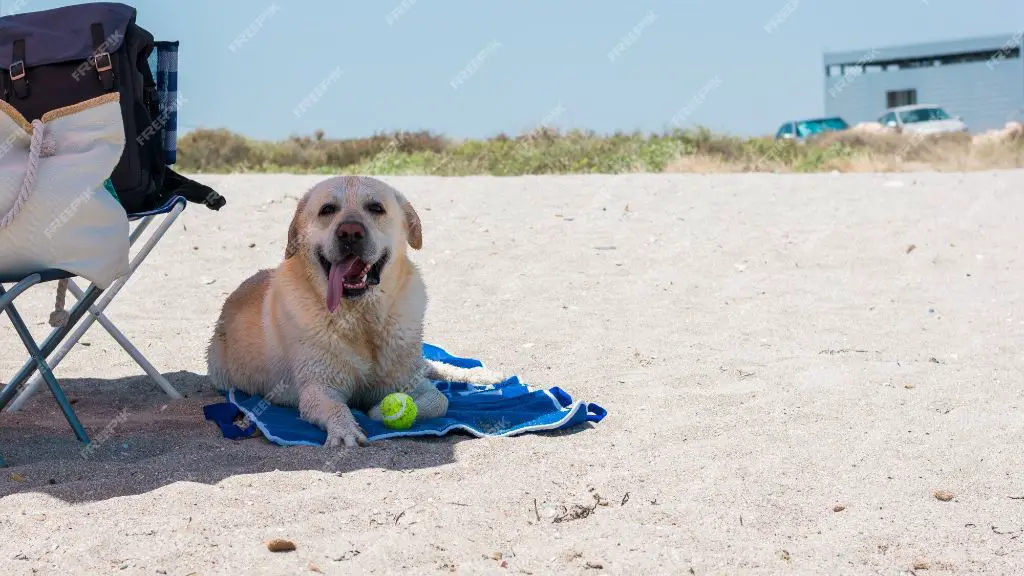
(144, 440)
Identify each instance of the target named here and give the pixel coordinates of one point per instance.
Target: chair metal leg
(40, 361)
(128, 347)
(97, 310)
(49, 345)
(67, 344)
(6, 297)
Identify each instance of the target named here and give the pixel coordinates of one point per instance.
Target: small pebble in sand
(943, 495)
(838, 508)
(280, 545)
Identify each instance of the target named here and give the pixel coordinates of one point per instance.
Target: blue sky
(473, 68)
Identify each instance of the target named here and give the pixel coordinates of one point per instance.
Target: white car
(922, 119)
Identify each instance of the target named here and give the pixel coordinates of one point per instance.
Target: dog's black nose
(351, 233)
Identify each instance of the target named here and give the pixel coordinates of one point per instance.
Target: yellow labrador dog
(339, 322)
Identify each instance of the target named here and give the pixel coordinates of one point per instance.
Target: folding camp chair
(93, 301)
(170, 212)
(89, 301)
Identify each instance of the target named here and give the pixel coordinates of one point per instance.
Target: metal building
(979, 79)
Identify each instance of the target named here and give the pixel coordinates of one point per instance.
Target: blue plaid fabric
(163, 61)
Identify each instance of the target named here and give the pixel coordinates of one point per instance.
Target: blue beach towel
(506, 409)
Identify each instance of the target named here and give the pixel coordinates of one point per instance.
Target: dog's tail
(448, 373)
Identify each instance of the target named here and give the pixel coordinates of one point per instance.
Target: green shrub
(547, 151)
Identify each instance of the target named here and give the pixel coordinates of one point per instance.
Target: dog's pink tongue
(336, 280)
(335, 285)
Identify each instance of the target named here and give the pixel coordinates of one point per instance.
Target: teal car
(802, 129)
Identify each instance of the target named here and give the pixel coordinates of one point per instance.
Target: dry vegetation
(550, 152)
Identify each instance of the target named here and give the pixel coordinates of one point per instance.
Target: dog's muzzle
(351, 277)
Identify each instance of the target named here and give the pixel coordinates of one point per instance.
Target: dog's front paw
(346, 433)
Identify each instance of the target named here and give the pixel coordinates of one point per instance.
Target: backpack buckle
(17, 70)
(104, 65)
(103, 57)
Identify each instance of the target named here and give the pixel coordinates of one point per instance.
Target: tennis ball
(398, 410)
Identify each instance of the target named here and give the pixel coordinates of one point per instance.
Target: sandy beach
(793, 365)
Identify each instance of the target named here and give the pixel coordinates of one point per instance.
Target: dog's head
(349, 229)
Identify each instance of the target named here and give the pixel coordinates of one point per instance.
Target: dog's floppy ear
(292, 247)
(414, 228)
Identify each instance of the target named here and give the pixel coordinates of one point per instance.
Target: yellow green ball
(398, 410)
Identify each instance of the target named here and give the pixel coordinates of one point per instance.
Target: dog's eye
(328, 209)
(375, 207)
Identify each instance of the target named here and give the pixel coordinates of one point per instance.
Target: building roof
(925, 50)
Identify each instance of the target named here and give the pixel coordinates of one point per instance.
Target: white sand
(765, 345)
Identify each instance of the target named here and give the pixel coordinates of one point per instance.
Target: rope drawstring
(59, 315)
(36, 149)
(39, 147)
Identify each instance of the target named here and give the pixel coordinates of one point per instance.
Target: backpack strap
(150, 94)
(101, 59)
(177, 185)
(17, 70)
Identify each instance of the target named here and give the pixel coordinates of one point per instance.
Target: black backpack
(55, 58)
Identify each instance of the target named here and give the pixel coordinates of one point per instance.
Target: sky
(269, 69)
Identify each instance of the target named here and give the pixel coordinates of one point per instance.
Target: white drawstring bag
(54, 209)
